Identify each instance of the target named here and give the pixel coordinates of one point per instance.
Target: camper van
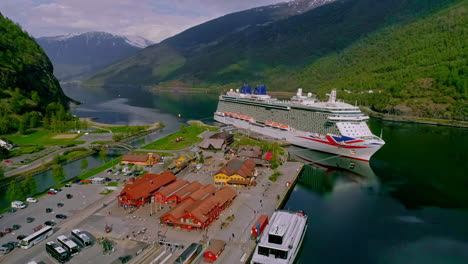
(18, 204)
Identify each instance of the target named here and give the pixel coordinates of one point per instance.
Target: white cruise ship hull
(355, 149)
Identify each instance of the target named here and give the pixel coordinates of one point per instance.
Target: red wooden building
(178, 196)
(139, 192)
(201, 193)
(199, 214)
(214, 250)
(162, 194)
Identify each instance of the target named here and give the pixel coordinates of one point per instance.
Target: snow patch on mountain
(138, 41)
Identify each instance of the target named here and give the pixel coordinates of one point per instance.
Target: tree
(84, 164)
(1, 172)
(4, 153)
(102, 154)
(58, 173)
(14, 192)
(29, 185)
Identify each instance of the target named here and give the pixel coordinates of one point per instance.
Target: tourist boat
(282, 238)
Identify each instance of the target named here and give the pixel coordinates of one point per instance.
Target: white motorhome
(18, 204)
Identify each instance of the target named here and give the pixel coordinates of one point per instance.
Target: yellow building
(235, 173)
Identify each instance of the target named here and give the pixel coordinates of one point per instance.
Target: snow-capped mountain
(77, 55)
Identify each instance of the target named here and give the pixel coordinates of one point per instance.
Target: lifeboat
(268, 123)
(284, 127)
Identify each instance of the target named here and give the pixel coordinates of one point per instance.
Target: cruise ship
(282, 238)
(333, 126)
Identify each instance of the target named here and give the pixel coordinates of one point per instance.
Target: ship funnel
(309, 95)
(237, 90)
(231, 90)
(299, 92)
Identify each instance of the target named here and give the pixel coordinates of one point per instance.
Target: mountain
(27, 84)
(394, 47)
(80, 54)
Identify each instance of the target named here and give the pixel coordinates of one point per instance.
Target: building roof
(201, 208)
(147, 184)
(188, 189)
(135, 157)
(216, 245)
(224, 194)
(249, 151)
(203, 192)
(172, 188)
(223, 135)
(216, 143)
(236, 166)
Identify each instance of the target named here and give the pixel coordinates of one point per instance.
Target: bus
(189, 254)
(36, 237)
(81, 237)
(57, 252)
(69, 245)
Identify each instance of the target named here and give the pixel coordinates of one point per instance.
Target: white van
(18, 204)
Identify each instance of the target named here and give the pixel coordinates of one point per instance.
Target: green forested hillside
(419, 69)
(29, 91)
(410, 53)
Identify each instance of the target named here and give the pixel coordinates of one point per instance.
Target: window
(275, 239)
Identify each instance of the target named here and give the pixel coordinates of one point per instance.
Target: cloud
(153, 19)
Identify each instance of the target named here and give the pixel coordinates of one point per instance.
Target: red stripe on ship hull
(334, 143)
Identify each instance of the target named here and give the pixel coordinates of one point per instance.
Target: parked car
(20, 237)
(51, 193)
(68, 185)
(48, 210)
(69, 196)
(61, 216)
(12, 210)
(31, 200)
(5, 249)
(16, 227)
(49, 223)
(7, 230)
(59, 204)
(1, 234)
(58, 189)
(29, 219)
(53, 190)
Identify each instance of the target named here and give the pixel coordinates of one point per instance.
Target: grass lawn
(127, 129)
(42, 137)
(77, 153)
(106, 192)
(113, 184)
(190, 136)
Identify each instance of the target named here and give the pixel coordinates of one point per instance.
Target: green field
(127, 129)
(41, 137)
(190, 136)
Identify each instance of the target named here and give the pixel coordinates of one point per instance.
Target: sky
(152, 19)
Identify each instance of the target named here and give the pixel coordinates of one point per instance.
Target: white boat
(332, 127)
(282, 238)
